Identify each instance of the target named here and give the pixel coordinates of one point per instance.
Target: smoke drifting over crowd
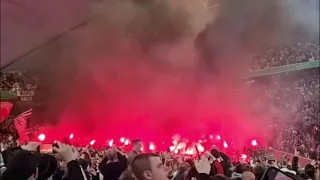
(140, 68)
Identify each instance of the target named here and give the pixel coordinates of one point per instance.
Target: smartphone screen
(46, 148)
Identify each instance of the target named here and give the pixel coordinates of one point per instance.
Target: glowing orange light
(42, 137)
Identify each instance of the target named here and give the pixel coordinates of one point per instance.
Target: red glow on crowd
(190, 151)
(177, 144)
(42, 137)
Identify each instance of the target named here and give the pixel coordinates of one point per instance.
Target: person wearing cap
(25, 164)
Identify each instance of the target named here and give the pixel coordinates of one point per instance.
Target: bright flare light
(71, 136)
(152, 147)
(122, 140)
(254, 143)
(176, 151)
(110, 143)
(92, 142)
(200, 148)
(225, 145)
(126, 142)
(189, 151)
(243, 156)
(218, 137)
(172, 148)
(181, 145)
(42, 137)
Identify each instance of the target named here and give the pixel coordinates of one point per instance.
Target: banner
(20, 123)
(5, 110)
(25, 96)
(25, 93)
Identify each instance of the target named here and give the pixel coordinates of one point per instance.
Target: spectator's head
(136, 145)
(310, 171)
(284, 164)
(149, 166)
(258, 171)
(9, 153)
(215, 153)
(84, 163)
(24, 165)
(190, 162)
(85, 155)
(247, 168)
(47, 166)
(219, 177)
(304, 176)
(183, 167)
(127, 175)
(247, 175)
(112, 154)
(239, 168)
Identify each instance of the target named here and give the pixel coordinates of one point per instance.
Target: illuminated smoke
(134, 71)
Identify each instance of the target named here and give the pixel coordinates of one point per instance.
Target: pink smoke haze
(116, 78)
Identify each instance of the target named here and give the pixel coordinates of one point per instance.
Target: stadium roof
(28, 27)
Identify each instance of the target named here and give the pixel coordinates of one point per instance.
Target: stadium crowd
(14, 81)
(69, 162)
(295, 93)
(293, 99)
(287, 54)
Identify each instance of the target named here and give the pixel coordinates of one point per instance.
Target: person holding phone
(46, 148)
(24, 164)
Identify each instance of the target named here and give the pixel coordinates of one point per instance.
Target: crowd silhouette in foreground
(69, 162)
(297, 132)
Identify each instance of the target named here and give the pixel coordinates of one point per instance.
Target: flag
(5, 110)
(20, 122)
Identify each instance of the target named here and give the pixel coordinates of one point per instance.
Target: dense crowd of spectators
(293, 100)
(14, 81)
(63, 161)
(287, 54)
(290, 99)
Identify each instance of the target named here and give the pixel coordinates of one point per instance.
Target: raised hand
(31, 146)
(65, 152)
(203, 165)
